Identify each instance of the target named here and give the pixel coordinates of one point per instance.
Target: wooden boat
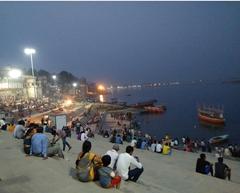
(155, 109)
(211, 115)
(218, 139)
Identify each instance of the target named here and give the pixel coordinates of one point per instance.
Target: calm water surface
(181, 115)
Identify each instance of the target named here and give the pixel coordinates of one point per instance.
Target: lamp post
(30, 52)
(54, 77)
(74, 85)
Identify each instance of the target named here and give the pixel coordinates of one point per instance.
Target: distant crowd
(139, 140)
(23, 108)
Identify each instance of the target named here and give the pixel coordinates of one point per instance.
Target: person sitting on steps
(123, 165)
(107, 177)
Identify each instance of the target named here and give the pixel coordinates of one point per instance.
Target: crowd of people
(139, 140)
(24, 108)
(111, 168)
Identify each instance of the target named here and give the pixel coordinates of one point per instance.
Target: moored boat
(211, 115)
(144, 104)
(218, 139)
(155, 109)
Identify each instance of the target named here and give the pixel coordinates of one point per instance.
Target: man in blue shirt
(40, 146)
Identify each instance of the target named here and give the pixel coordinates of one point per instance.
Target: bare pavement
(162, 174)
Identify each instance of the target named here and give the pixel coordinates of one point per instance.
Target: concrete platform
(162, 174)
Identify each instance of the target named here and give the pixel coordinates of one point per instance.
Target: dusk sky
(124, 42)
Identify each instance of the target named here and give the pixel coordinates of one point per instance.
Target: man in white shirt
(83, 136)
(134, 142)
(124, 162)
(113, 153)
(159, 147)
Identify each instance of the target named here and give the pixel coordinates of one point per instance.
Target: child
(107, 177)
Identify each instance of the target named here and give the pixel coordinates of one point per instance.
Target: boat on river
(155, 109)
(211, 115)
(218, 139)
(149, 103)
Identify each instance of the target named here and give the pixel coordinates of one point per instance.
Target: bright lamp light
(29, 51)
(14, 73)
(54, 77)
(101, 87)
(74, 84)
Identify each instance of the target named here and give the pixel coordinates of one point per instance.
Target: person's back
(221, 169)
(84, 166)
(86, 162)
(39, 144)
(159, 147)
(124, 162)
(139, 142)
(119, 139)
(19, 131)
(113, 153)
(166, 149)
(83, 136)
(144, 144)
(107, 177)
(203, 166)
(153, 146)
(133, 142)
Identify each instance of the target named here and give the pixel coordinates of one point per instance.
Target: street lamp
(74, 84)
(54, 77)
(31, 51)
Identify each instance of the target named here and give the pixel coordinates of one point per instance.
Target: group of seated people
(109, 169)
(222, 171)
(36, 142)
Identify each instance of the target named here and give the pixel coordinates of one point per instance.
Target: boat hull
(218, 139)
(211, 120)
(160, 109)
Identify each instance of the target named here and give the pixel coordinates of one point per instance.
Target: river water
(181, 116)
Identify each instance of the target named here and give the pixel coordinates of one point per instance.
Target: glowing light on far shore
(101, 98)
(14, 73)
(101, 87)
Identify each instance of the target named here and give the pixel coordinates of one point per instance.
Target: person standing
(62, 135)
(123, 165)
(83, 136)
